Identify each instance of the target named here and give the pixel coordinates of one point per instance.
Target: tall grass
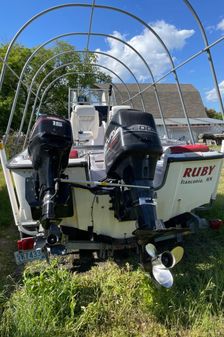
(102, 302)
(8, 237)
(112, 301)
(5, 209)
(217, 210)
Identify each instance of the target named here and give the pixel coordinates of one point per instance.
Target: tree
(56, 98)
(211, 113)
(16, 61)
(80, 72)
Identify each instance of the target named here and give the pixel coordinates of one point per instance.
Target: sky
(170, 19)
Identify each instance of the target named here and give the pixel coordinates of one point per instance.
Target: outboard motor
(49, 147)
(132, 148)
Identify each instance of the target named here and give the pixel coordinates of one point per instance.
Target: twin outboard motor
(132, 148)
(49, 147)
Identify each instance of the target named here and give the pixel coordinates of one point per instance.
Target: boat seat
(101, 133)
(85, 123)
(189, 148)
(97, 167)
(116, 108)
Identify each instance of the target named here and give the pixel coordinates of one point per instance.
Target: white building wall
(182, 132)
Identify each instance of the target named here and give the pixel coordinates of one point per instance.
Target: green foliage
(8, 237)
(211, 113)
(56, 98)
(16, 61)
(113, 301)
(216, 212)
(5, 208)
(57, 303)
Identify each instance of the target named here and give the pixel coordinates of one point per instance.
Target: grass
(8, 236)
(6, 217)
(217, 211)
(114, 301)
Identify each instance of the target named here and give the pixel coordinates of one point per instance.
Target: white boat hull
(183, 182)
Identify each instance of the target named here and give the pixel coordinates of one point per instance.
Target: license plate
(23, 256)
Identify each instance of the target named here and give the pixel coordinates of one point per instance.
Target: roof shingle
(168, 96)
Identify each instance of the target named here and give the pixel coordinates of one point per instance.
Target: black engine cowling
(132, 148)
(49, 147)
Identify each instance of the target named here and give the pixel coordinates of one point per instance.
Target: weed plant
(8, 236)
(5, 208)
(113, 301)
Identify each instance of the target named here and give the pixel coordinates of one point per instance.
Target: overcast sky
(170, 19)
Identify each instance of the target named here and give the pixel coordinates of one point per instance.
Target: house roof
(193, 121)
(168, 96)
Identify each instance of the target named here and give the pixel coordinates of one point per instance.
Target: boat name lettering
(198, 171)
(194, 181)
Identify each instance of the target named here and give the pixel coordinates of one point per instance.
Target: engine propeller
(161, 263)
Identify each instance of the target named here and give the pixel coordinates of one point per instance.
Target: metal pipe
(113, 9)
(87, 5)
(64, 6)
(64, 65)
(90, 27)
(210, 60)
(69, 94)
(55, 80)
(148, 68)
(9, 184)
(69, 34)
(72, 63)
(170, 59)
(104, 7)
(180, 65)
(94, 64)
(63, 53)
(17, 76)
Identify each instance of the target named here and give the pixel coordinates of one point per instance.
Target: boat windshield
(96, 97)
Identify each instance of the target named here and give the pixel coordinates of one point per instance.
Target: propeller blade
(162, 276)
(151, 250)
(178, 253)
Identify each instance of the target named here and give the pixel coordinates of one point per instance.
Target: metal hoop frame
(116, 10)
(51, 84)
(73, 34)
(208, 51)
(49, 74)
(173, 68)
(70, 52)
